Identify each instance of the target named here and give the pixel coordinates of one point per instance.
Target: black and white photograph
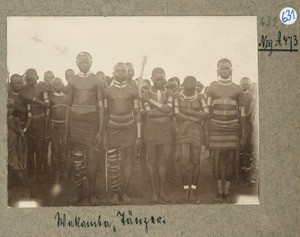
(108, 111)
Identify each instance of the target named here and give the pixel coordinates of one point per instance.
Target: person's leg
(163, 159)
(113, 174)
(151, 169)
(127, 164)
(196, 151)
(39, 156)
(78, 156)
(91, 173)
(55, 157)
(217, 174)
(183, 152)
(30, 157)
(229, 172)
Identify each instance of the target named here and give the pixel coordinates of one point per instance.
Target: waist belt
(121, 118)
(225, 122)
(58, 121)
(116, 125)
(83, 108)
(59, 105)
(224, 102)
(224, 112)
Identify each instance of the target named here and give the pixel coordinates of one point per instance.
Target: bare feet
(154, 198)
(164, 197)
(186, 195)
(226, 199)
(114, 200)
(126, 199)
(76, 199)
(219, 198)
(94, 201)
(193, 196)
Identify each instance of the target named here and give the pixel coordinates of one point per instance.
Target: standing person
(85, 114)
(69, 73)
(16, 84)
(158, 102)
(226, 104)
(37, 101)
(48, 80)
(123, 133)
(190, 111)
(246, 152)
(101, 75)
(58, 103)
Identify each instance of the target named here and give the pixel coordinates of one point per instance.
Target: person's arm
(182, 116)
(242, 116)
(29, 118)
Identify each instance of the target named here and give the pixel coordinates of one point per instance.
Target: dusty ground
(49, 194)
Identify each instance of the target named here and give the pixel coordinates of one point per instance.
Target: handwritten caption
(123, 219)
(282, 43)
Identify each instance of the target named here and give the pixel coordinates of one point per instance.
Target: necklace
(190, 98)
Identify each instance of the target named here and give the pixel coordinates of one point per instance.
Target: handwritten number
(295, 40)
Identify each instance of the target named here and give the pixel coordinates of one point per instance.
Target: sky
(183, 46)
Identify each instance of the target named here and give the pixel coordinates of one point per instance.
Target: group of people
(124, 119)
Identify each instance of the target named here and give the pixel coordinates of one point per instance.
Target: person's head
(173, 84)
(245, 83)
(120, 72)
(199, 87)
(130, 71)
(189, 84)
(145, 85)
(31, 77)
(158, 77)
(16, 83)
(48, 77)
(10, 105)
(101, 75)
(58, 85)
(69, 73)
(147, 81)
(84, 62)
(224, 69)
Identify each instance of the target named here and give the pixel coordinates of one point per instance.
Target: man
(130, 74)
(69, 73)
(48, 80)
(226, 104)
(123, 133)
(158, 101)
(16, 84)
(246, 152)
(190, 110)
(84, 124)
(58, 104)
(37, 101)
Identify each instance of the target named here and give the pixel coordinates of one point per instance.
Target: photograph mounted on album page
(118, 123)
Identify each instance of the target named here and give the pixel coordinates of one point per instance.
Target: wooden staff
(141, 75)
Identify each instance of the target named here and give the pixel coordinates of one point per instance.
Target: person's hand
(137, 146)
(98, 140)
(242, 141)
(166, 109)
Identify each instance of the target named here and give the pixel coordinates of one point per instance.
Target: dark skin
(225, 71)
(161, 152)
(77, 96)
(191, 114)
(69, 73)
(124, 107)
